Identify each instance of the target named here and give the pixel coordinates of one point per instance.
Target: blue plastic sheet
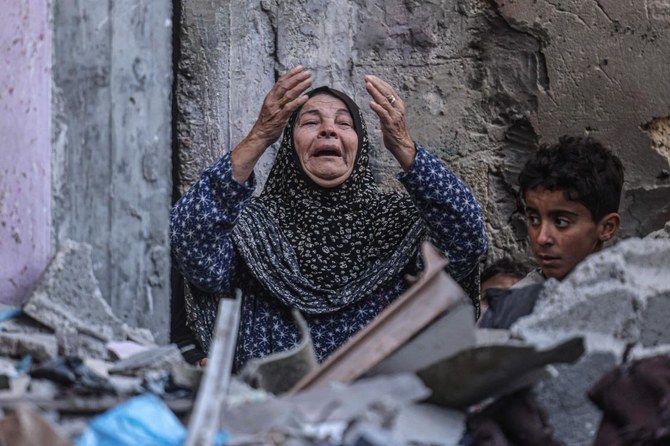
(141, 421)
(144, 420)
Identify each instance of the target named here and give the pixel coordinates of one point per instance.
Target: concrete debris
(158, 358)
(125, 349)
(7, 373)
(279, 372)
(608, 299)
(619, 301)
(68, 294)
(428, 424)
(420, 392)
(377, 398)
(41, 347)
(73, 343)
(474, 375)
(663, 233)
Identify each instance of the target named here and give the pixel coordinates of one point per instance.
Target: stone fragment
(125, 349)
(68, 293)
(7, 373)
(278, 372)
(428, 424)
(663, 233)
(41, 347)
(73, 343)
(606, 299)
(159, 358)
(619, 301)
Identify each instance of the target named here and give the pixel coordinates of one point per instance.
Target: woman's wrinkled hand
(391, 111)
(283, 99)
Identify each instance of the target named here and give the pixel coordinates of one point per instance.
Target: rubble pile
(68, 357)
(424, 380)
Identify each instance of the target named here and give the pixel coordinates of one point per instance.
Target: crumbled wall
(483, 81)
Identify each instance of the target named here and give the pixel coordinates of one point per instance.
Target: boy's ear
(608, 227)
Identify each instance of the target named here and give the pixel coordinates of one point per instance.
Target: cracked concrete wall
(607, 64)
(111, 148)
(484, 82)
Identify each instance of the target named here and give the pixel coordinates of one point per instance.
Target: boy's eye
(562, 223)
(533, 220)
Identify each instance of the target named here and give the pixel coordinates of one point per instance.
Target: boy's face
(561, 232)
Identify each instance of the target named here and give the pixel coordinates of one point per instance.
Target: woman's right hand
(282, 100)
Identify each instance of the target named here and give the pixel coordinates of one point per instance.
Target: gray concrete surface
(111, 153)
(619, 301)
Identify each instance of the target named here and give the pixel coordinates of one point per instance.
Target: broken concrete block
(608, 299)
(615, 299)
(41, 347)
(332, 403)
(663, 233)
(159, 358)
(575, 419)
(25, 324)
(475, 375)
(428, 424)
(278, 372)
(7, 373)
(125, 349)
(73, 343)
(140, 335)
(68, 293)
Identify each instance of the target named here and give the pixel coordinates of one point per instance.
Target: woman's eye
(345, 124)
(533, 220)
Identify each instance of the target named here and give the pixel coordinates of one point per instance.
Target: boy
(570, 192)
(500, 274)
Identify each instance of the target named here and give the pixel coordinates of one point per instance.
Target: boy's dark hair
(582, 168)
(505, 266)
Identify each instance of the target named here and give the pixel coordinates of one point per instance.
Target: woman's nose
(327, 129)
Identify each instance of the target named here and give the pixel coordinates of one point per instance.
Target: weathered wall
(112, 187)
(484, 82)
(25, 122)
(607, 65)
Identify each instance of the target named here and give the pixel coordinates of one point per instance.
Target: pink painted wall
(25, 141)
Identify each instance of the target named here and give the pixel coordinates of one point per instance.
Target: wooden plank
(209, 403)
(428, 298)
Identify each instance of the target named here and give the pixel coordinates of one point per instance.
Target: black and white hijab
(318, 249)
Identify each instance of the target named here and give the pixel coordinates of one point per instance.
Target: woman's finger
(289, 81)
(383, 94)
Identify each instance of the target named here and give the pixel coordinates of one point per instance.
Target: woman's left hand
(391, 111)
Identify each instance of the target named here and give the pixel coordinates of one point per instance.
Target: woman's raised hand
(283, 99)
(391, 111)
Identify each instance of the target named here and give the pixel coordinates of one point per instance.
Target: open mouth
(327, 151)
